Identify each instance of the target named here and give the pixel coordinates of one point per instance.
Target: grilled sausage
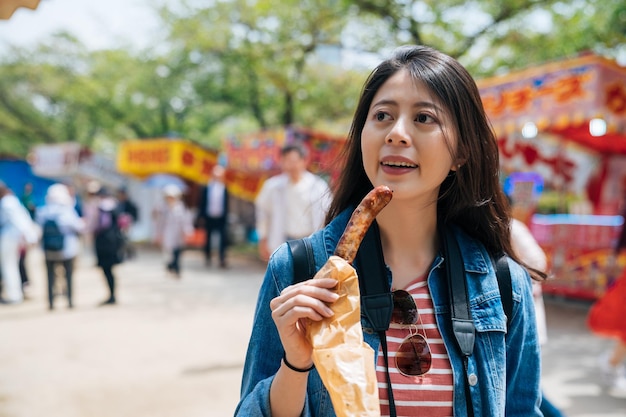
(360, 221)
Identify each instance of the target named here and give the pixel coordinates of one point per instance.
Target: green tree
(261, 58)
(237, 66)
(495, 36)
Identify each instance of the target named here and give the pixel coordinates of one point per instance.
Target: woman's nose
(398, 135)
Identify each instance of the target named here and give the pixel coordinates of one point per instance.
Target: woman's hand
(292, 308)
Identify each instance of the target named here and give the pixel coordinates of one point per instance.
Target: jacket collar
(472, 250)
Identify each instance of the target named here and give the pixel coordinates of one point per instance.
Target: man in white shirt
(290, 205)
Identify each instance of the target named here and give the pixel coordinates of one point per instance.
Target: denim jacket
(503, 371)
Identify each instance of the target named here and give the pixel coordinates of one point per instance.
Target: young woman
(173, 227)
(420, 129)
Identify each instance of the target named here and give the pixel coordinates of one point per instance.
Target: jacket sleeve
(262, 357)
(523, 361)
(265, 351)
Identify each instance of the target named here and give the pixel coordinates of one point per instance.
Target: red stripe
(430, 394)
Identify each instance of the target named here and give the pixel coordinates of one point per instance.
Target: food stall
(160, 161)
(566, 121)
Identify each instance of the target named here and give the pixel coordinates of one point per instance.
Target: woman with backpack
(60, 241)
(420, 129)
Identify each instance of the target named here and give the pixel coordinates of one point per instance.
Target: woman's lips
(397, 165)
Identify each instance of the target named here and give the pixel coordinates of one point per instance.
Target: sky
(96, 23)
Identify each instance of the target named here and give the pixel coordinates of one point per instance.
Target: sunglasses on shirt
(413, 357)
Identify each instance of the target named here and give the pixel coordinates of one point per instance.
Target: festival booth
(161, 161)
(565, 122)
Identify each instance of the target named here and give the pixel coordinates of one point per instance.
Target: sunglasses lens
(404, 309)
(413, 357)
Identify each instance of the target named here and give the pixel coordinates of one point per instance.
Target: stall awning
(562, 98)
(145, 157)
(609, 143)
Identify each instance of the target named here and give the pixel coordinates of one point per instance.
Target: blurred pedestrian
(290, 205)
(16, 229)
(29, 203)
(213, 214)
(61, 227)
(128, 210)
(528, 250)
(108, 239)
(606, 317)
(173, 227)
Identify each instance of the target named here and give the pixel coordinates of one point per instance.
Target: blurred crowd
(99, 220)
(62, 227)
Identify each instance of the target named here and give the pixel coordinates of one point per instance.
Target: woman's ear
(458, 163)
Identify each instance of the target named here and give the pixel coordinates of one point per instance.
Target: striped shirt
(430, 394)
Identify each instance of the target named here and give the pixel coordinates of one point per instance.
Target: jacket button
(472, 379)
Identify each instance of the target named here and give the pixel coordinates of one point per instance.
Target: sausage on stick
(361, 219)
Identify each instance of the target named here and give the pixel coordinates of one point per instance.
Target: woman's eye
(424, 118)
(380, 116)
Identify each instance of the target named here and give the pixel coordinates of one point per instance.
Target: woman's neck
(409, 241)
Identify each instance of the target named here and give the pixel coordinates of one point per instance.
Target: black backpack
(52, 238)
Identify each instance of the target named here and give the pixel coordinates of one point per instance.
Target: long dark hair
(472, 198)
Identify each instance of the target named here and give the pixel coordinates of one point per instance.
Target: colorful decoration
(255, 157)
(562, 97)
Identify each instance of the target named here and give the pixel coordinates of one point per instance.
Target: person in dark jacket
(213, 214)
(108, 239)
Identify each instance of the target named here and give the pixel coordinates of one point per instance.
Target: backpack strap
(503, 274)
(461, 315)
(376, 296)
(462, 323)
(303, 260)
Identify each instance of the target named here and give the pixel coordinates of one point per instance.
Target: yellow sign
(143, 158)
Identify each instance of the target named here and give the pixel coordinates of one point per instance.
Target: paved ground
(176, 348)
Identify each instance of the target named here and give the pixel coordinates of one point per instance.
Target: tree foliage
(231, 66)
